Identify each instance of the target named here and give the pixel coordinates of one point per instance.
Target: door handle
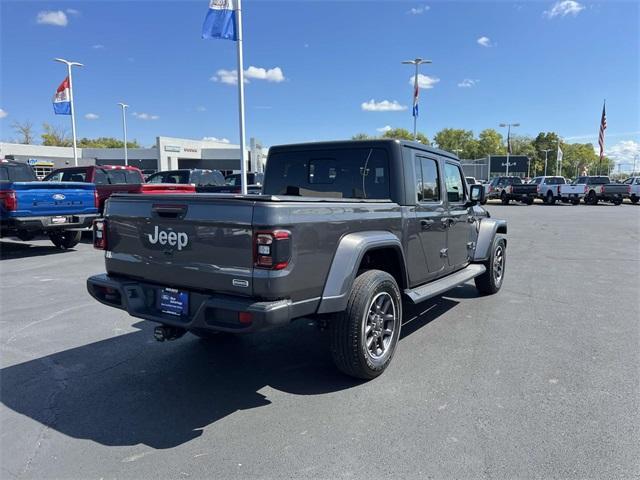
(426, 224)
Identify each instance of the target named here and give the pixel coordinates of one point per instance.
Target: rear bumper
(206, 312)
(30, 224)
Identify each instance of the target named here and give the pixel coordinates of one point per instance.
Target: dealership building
(167, 154)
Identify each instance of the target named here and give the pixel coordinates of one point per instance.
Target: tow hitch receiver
(168, 333)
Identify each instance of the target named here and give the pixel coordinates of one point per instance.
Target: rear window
(598, 180)
(133, 177)
(180, 176)
(17, 173)
(536, 181)
(67, 176)
(340, 173)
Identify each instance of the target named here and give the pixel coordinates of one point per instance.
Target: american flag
(416, 93)
(603, 127)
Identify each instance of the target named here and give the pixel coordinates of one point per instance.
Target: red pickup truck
(110, 179)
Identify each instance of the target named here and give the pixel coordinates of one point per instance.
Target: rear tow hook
(168, 333)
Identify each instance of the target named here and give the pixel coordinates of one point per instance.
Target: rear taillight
(100, 234)
(629, 189)
(558, 192)
(538, 188)
(586, 188)
(9, 200)
(96, 199)
(272, 249)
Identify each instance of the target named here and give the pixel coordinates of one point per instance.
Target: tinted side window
(455, 185)
(428, 180)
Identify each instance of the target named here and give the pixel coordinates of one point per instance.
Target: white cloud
(145, 116)
(384, 129)
(214, 139)
(53, 17)
(424, 81)
(73, 11)
(419, 10)
(624, 152)
(484, 42)
(97, 46)
(468, 83)
(564, 8)
(383, 106)
(92, 116)
(201, 108)
(230, 77)
(3, 114)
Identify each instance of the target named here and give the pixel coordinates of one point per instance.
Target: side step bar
(437, 287)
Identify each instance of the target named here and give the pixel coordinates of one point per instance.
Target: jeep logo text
(169, 238)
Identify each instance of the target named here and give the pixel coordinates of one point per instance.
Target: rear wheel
(575, 201)
(65, 239)
(550, 199)
(634, 199)
(591, 198)
(617, 201)
(491, 280)
(365, 335)
(504, 199)
(528, 201)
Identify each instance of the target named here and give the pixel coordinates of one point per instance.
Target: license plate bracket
(173, 302)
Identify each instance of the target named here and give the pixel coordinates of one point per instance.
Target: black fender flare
(488, 228)
(344, 267)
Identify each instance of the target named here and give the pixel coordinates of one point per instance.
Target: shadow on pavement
(11, 250)
(129, 389)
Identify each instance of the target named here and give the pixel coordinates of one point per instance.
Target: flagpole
(73, 110)
(243, 162)
(415, 117)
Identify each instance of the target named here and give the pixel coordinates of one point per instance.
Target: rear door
(458, 219)
(182, 241)
(430, 214)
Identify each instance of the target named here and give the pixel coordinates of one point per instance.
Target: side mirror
(476, 194)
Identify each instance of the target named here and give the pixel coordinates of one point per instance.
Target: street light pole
(417, 62)
(73, 110)
(509, 125)
(546, 156)
(124, 130)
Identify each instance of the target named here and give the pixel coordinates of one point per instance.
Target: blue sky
(547, 65)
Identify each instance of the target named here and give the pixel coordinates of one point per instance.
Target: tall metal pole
(243, 161)
(73, 110)
(635, 159)
(546, 157)
(509, 125)
(417, 62)
(124, 130)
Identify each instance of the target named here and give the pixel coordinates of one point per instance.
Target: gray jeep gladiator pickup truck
(343, 232)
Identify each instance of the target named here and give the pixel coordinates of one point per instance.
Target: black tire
(528, 201)
(484, 202)
(575, 201)
(590, 198)
(352, 346)
(490, 282)
(65, 239)
(634, 199)
(549, 199)
(504, 199)
(617, 201)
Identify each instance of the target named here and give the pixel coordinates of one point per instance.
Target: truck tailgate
(194, 242)
(53, 198)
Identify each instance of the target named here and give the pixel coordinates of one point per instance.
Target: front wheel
(365, 335)
(65, 239)
(491, 280)
(550, 200)
(591, 198)
(504, 199)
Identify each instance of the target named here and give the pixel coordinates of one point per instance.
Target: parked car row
(550, 189)
(69, 199)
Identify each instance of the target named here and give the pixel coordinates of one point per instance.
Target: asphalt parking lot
(539, 381)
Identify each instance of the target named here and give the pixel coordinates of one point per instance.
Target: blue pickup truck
(29, 207)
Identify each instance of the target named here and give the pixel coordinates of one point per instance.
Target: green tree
(404, 134)
(361, 136)
(105, 142)
(490, 142)
(545, 141)
(458, 141)
(55, 136)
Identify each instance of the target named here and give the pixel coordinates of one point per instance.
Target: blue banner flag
(220, 21)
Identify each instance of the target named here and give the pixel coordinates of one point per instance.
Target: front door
(431, 213)
(459, 220)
